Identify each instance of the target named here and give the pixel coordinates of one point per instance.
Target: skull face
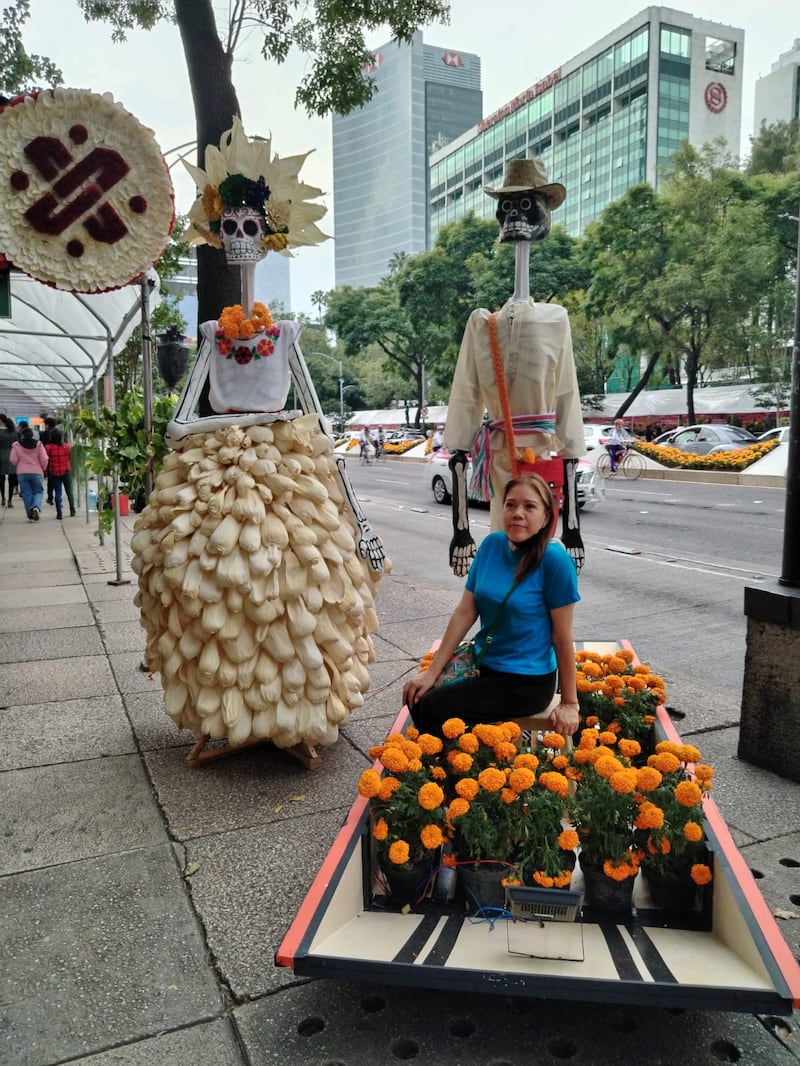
(523, 216)
(241, 230)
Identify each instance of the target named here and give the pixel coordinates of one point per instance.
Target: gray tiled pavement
(142, 900)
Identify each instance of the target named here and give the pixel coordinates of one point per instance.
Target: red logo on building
(452, 59)
(370, 68)
(716, 97)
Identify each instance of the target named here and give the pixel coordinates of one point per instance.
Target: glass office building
(425, 97)
(777, 95)
(603, 121)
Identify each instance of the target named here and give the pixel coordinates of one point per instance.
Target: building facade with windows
(425, 96)
(604, 120)
(777, 95)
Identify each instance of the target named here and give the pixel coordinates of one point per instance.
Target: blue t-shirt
(522, 642)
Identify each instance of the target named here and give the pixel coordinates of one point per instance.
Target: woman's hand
(415, 689)
(565, 718)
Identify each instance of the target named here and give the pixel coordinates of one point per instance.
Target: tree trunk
(642, 384)
(692, 362)
(215, 105)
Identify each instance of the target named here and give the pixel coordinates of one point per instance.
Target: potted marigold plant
(669, 826)
(407, 810)
(506, 811)
(617, 694)
(604, 810)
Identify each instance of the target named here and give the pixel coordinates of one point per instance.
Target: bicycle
(630, 463)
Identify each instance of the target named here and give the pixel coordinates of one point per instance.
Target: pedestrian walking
(8, 434)
(30, 459)
(59, 471)
(45, 436)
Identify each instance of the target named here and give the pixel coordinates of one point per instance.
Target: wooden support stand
(303, 752)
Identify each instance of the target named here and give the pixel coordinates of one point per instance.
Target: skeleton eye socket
(506, 205)
(525, 203)
(229, 226)
(250, 227)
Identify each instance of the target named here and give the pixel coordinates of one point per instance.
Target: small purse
(464, 663)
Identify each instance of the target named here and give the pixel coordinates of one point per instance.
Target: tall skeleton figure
(257, 567)
(524, 354)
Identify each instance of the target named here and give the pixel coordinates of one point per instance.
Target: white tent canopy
(56, 343)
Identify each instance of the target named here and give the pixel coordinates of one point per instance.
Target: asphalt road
(666, 567)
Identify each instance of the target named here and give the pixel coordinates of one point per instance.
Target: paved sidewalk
(143, 899)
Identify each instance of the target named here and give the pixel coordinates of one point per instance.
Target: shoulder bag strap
(488, 631)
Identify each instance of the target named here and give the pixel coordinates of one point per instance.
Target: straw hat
(524, 174)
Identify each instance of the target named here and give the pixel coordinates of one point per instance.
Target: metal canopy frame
(57, 345)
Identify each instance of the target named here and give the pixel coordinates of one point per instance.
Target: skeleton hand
(578, 556)
(370, 546)
(462, 552)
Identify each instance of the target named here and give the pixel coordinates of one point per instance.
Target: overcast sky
(517, 43)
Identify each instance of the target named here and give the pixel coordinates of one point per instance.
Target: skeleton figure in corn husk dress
(257, 568)
(537, 373)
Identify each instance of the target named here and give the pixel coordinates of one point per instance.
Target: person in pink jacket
(30, 458)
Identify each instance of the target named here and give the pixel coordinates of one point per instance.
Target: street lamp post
(790, 571)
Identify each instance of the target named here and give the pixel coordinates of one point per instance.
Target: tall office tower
(425, 97)
(777, 97)
(604, 120)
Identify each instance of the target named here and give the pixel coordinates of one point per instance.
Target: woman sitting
(531, 630)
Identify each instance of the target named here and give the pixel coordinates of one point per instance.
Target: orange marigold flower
(461, 762)
(521, 778)
(508, 795)
(389, 785)
(592, 670)
(381, 829)
(573, 774)
(563, 879)
(648, 778)
(568, 839)
(369, 784)
(619, 701)
(394, 760)
(591, 721)
(665, 761)
(582, 685)
(624, 781)
(411, 749)
(412, 733)
(527, 760)
(449, 860)
(607, 737)
(692, 831)
(431, 837)
(666, 846)
(649, 816)
(491, 779)
(648, 719)
(429, 745)
(588, 740)
(701, 874)
(555, 782)
(616, 664)
(617, 873)
(629, 748)
(582, 755)
(457, 808)
(553, 740)
(468, 743)
(688, 793)
(607, 765)
(625, 654)
(512, 730)
(668, 745)
(399, 852)
(636, 683)
(689, 753)
(453, 728)
(438, 773)
(505, 751)
(560, 762)
(468, 788)
(543, 879)
(375, 751)
(414, 765)
(395, 738)
(603, 751)
(430, 796)
(703, 773)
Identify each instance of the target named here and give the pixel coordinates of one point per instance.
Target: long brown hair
(532, 550)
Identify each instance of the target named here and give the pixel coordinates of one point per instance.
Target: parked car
(781, 433)
(712, 438)
(667, 436)
(591, 487)
(597, 436)
(402, 436)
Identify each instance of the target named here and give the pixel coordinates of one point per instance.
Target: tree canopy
(20, 71)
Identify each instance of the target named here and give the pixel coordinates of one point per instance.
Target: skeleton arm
(462, 546)
(570, 517)
(370, 546)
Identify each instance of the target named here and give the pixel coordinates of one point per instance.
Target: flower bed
(734, 460)
(402, 448)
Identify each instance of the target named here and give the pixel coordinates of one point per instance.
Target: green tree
(21, 72)
(330, 33)
(776, 148)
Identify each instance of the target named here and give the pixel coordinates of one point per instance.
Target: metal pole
(341, 397)
(147, 373)
(790, 571)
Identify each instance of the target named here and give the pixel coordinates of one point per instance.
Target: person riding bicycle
(617, 443)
